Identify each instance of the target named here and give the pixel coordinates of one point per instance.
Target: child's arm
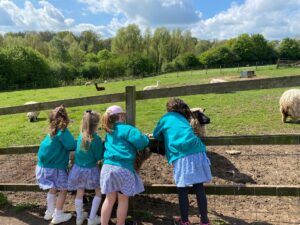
(157, 133)
(67, 140)
(98, 148)
(137, 138)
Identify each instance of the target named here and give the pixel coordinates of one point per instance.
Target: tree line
(45, 59)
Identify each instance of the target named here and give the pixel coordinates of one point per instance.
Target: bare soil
(271, 165)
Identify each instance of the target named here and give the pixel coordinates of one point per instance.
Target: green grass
(24, 206)
(240, 113)
(3, 200)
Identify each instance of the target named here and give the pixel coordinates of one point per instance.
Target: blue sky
(206, 19)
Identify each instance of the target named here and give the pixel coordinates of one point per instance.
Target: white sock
(58, 212)
(51, 199)
(78, 206)
(95, 207)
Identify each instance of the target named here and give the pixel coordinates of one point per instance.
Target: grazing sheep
(32, 116)
(212, 81)
(199, 121)
(290, 104)
(88, 83)
(151, 87)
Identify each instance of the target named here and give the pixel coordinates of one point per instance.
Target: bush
(23, 67)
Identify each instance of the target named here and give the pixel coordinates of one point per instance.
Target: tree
(76, 54)
(24, 67)
(1, 40)
(217, 56)
(58, 50)
(289, 49)
(261, 49)
(160, 44)
(90, 42)
(128, 41)
(186, 60)
(244, 48)
(202, 46)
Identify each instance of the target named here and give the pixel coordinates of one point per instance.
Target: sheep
(212, 81)
(290, 105)
(32, 116)
(141, 157)
(199, 121)
(88, 83)
(151, 87)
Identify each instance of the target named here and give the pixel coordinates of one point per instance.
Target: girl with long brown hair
(53, 159)
(85, 174)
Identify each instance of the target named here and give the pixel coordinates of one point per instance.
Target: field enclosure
(260, 185)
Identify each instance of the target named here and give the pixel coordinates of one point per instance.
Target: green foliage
(58, 50)
(217, 56)
(90, 70)
(289, 49)
(128, 41)
(23, 67)
(24, 206)
(130, 53)
(3, 200)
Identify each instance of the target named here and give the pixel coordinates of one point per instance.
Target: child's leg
(61, 199)
(96, 203)
(79, 202)
(184, 203)
(122, 209)
(59, 216)
(107, 206)
(201, 201)
(51, 199)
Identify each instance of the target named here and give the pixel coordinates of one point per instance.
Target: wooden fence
(130, 97)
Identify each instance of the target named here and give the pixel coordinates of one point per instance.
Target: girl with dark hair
(186, 152)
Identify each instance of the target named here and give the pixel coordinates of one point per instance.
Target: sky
(206, 19)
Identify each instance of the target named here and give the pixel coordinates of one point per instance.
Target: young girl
(118, 179)
(186, 152)
(53, 159)
(85, 174)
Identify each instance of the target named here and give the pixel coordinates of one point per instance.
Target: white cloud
(45, 17)
(148, 12)
(274, 19)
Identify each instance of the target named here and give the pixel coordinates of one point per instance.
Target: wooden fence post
(130, 105)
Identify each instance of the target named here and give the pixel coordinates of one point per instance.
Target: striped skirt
(119, 179)
(51, 178)
(83, 178)
(192, 169)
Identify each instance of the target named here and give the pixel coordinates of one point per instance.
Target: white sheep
(212, 81)
(88, 83)
(151, 87)
(290, 104)
(32, 116)
(199, 121)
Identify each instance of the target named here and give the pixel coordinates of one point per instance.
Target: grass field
(240, 113)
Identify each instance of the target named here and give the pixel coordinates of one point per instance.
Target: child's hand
(149, 135)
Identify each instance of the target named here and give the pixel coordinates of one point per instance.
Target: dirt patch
(271, 165)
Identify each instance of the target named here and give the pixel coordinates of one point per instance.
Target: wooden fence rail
(210, 189)
(283, 139)
(266, 83)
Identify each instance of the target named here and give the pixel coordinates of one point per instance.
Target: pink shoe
(178, 221)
